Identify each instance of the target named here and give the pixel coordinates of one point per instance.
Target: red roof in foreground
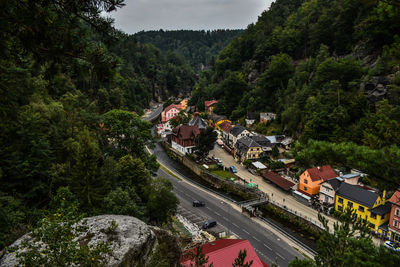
(395, 199)
(321, 173)
(223, 252)
(210, 103)
(278, 180)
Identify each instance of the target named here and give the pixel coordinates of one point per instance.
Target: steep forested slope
(64, 115)
(330, 69)
(198, 47)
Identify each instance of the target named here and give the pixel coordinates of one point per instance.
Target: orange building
(210, 105)
(311, 179)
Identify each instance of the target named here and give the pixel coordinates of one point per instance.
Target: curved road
(268, 246)
(154, 114)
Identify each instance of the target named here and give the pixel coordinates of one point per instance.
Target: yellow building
(184, 104)
(246, 148)
(366, 204)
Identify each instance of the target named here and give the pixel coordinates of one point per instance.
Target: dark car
(209, 224)
(198, 203)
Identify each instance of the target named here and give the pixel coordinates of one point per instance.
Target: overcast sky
(138, 15)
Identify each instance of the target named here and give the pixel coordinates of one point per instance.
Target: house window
(326, 199)
(350, 204)
(360, 208)
(340, 200)
(373, 215)
(396, 237)
(397, 212)
(305, 181)
(395, 223)
(327, 189)
(371, 225)
(305, 188)
(340, 208)
(258, 148)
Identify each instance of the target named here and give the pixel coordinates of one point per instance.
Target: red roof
(278, 180)
(179, 107)
(321, 173)
(395, 199)
(185, 132)
(225, 126)
(223, 252)
(210, 103)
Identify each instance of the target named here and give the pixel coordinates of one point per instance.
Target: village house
(184, 137)
(247, 148)
(214, 119)
(266, 117)
(329, 187)
(226, 128)
(394, 220)
(184, 104)
(366, 204)
(263, 142)
(311, 179)
(170, 112)
(210, 105)
(236, 133)
(198, 121)
(251, 118)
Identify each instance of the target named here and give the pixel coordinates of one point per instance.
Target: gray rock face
(132, 243)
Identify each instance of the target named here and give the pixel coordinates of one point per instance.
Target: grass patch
(222, 173)
(169, 172)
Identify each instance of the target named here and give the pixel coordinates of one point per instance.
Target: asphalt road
(268, 246)
(154, 114)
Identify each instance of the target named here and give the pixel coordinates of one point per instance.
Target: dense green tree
(162, 203)
(350, 244)
(198, 47)
(86, 179)
(240, 260)
(205, 142)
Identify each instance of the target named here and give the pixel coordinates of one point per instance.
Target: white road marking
(246, 232)
(217, 213)
(267, 247)
(235, 225)
(256, 238)
(280, 256)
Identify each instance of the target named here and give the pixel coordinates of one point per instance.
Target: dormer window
(305, 181)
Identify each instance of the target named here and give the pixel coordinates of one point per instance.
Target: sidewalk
(276, 195)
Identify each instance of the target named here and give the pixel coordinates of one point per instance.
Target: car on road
(233, 169)
(209, 224)
(392, 246)
(198, 203)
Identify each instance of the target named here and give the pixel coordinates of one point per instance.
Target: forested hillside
(198, 47)
(68, 130)
(330, 70)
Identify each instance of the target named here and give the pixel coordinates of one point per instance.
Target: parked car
(198, 203)
(392, 246)
(209, 224)
(233, 169)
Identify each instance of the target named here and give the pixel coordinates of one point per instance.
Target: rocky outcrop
(376, 88)
(132, 242)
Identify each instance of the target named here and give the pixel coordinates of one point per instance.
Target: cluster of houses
(332, 191)
(340, 192)
(242, 143)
